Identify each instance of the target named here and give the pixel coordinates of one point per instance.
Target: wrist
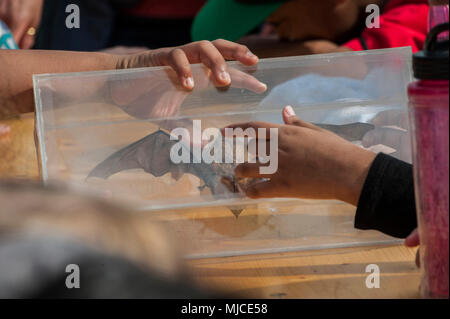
(353, 174)
(120, 61)
(99, 61)
(137, 60)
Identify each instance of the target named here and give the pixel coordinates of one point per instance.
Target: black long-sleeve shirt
(387, 202)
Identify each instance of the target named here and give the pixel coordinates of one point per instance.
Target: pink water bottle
(429, 117)
(439, 13)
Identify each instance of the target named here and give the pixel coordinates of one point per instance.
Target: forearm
(18, 67)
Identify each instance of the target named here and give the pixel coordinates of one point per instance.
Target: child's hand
(153, 96)
(312, 163)
(211, 54)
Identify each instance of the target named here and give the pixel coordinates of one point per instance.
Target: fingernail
(289, 111)
(189, 82)
(263, 87)
(225, 77)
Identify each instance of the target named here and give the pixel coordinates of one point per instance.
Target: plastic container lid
(432, 62)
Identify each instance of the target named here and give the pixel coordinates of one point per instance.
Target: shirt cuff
(387, 201)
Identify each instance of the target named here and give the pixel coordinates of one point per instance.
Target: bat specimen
(152, 154)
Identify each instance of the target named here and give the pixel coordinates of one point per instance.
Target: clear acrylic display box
(84, 118)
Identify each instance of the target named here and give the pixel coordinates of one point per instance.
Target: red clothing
(402, 23)
(167, 9)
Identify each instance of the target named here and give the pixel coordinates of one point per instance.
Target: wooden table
(335, 273)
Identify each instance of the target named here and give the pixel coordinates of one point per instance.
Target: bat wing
(152, 154)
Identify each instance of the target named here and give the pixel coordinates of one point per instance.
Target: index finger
(242, 80)
(235, 51)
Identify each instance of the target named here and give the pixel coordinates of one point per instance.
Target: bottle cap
(432, 62)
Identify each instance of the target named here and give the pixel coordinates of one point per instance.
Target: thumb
(290, 118)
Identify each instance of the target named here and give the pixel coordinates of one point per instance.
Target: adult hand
(23, 18)
(312, 163)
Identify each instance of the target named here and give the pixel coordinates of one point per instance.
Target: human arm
(22, 17)
(16, 87)
(317, 164)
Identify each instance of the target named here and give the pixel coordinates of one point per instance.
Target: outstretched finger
(178, 60)
(243, 80)
(235, 51)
